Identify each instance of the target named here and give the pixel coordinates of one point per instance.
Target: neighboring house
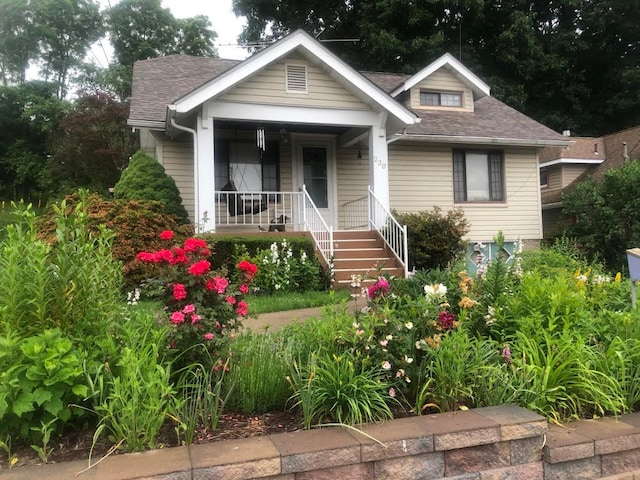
(241, 139)
(561, 168)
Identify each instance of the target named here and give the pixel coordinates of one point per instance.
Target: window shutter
(296, 78)
(495, 176)
(459, 175)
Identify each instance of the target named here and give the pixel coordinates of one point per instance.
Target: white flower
(436, 290)
(409, 325)
(389, 337)
(408, 359)
(386, 365)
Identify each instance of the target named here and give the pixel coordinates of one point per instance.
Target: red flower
(446, 319)
(194, 244)
(179, 291)
(244, 289)
(230, 300)
(217, 284)
(166, 235)
(199, 268)
(145, 257)
(177, 317)
(242, 309)
(247, 267)
(208, 336)
(179, 255)
(163, 256)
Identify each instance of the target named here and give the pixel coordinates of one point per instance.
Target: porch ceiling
(277, 127)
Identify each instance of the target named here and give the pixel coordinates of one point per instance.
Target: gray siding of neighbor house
(268, 88)
(421, 177)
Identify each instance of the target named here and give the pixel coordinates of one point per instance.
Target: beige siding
(420, 178)
(268, 87)
(176, 156)
(571, 172)
(442, 81)
(554, 180)
(353, 178)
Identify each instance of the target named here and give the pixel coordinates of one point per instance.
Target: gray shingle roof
(490, 119)
(161, 81)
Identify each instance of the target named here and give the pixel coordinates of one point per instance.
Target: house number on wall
(379, 163)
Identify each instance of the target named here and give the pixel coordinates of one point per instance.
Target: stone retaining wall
(493, 443)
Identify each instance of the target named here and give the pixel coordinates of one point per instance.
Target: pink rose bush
(202, 306)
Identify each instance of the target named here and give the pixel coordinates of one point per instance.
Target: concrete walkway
(275, 320)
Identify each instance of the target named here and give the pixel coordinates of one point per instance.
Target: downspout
(195, 164)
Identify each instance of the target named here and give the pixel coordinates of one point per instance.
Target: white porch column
(204, 176)
(379, 164)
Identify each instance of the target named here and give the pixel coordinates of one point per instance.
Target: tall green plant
(132, 392)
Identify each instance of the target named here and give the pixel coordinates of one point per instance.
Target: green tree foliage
(93, 144)
(434, 239)
(18, 40)
(29, 115)
(141, 29)
(607, 214)
(145, 179)
(66, 29)
(539, 57)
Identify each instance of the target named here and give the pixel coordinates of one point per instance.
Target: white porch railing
(394, 234)
(355, 214)
(314, 223)
(264, 210)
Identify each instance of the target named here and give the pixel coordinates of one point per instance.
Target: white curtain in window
(477, 177)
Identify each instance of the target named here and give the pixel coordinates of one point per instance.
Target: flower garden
(546, 331)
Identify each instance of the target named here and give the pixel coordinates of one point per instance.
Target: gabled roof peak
(480, 89)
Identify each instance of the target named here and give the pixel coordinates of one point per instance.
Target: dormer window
(440, 99)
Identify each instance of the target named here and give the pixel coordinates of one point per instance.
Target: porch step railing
(394, 234)
(314, 223)
(355, 214)
(264, 210)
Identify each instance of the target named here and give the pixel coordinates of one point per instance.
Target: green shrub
(136, 226)
(145, 179)
(39, 377)
(434, 239)
(73, 284)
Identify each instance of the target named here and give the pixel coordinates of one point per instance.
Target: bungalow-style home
(295, 139)
(561, 168)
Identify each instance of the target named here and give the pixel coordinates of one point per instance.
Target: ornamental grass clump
(201, 306)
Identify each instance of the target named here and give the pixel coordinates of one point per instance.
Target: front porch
(373, 242)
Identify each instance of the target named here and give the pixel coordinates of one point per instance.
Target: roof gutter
(482, 140)
(150, 124)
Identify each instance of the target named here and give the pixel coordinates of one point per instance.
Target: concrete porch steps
(362, 253)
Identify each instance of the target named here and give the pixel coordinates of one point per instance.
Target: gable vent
(296, 78)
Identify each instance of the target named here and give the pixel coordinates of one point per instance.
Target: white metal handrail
(314, 223)
(355, 214)
(394, 234)
(261, 209)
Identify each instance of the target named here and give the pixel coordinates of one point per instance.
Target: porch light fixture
(260, 140)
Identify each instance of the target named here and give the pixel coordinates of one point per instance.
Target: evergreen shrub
(145, 179)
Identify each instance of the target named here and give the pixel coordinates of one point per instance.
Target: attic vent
(296, 78)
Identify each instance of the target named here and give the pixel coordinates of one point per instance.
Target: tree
(141, 29)
(93, 144)
(145, 179)
(18, 40)
(29, 115)
(567, 63)
(67, 28)
(607, 214)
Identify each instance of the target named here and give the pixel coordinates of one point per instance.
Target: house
(561, 168)
(294, 138)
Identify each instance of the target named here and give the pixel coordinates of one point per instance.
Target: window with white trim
(440, 99)
(478, 176)
(296, 78)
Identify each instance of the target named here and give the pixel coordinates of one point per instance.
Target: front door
(315, 169)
